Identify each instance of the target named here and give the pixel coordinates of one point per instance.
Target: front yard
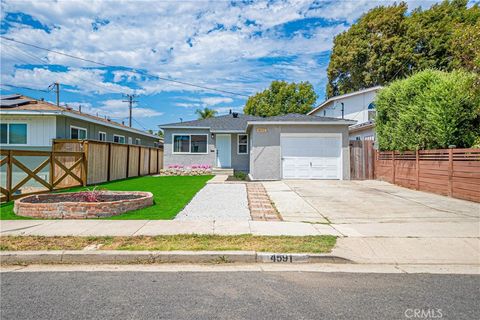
(171, 195)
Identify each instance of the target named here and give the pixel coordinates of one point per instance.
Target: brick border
(259, 203)
(82, 210)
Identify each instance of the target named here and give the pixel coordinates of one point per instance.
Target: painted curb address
(146, 257)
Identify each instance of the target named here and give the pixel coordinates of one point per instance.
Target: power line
(26, 88)
(132, 69)
(104, 87)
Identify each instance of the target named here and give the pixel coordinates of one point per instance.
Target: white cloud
(211, 101)
(208, 43)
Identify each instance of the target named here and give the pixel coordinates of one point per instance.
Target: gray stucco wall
(187, 159)
(238, 161)
(265, 158)
(64, 123)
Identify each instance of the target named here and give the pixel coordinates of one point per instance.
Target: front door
(224, 150)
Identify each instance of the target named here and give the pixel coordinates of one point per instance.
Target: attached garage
(311, 156)
(298, 146)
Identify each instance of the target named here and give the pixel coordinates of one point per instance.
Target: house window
(198, 144)
(102, 136)
(242, 143)
(118, 139)
(130, 141)
(13, 133)
(194, 143)
(137, 141)
(78, 133)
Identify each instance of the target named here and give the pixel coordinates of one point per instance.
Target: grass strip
(284, 244)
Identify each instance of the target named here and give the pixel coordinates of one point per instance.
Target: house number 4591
(281, 258)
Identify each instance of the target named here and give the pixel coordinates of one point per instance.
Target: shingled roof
(230, 123)
(20, 103)
(221, 123)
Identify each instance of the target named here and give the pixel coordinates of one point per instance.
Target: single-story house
(291, 146)
(31, 124)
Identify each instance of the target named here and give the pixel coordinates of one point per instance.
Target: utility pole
(57, 91)
(130, 101)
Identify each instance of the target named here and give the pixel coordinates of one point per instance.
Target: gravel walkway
(218, 202)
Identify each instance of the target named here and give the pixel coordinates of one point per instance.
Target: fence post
(109, 160)
(139, 159)
(393, 167)
(52, 170)
(158, 161)
(149, 159)
(450, 172)
(85, 163)
(9, 176)
(417, 168)
(128, 159)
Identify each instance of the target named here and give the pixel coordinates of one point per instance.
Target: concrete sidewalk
(159, 227)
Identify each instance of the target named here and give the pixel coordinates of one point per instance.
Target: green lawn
(171, 194)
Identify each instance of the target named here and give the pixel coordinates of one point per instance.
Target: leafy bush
(240, 175)
(429, 110)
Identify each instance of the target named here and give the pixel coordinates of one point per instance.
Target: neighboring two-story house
(357, 106)
(31, 124)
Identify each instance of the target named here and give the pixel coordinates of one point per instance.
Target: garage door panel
(311, 157)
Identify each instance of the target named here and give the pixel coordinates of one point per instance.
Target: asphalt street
(237, 295)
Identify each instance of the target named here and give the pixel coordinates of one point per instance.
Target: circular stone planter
(72, 205)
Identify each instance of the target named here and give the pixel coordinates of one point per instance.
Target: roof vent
(235, 114)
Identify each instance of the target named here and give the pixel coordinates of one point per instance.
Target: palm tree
(206, 113)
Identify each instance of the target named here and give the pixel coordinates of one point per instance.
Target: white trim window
(78, 133)
(137, 141)
(118, 138)
(14, 133)
(189, 143)
(102, 136)
(242, 145)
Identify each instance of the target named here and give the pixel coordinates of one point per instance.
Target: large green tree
(282, 98)
(429, 110)
(388, 43)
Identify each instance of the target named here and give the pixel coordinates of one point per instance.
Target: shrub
(429, 110)
(240, 175)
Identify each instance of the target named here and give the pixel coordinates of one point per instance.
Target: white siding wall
(355, 107)
(40, 129)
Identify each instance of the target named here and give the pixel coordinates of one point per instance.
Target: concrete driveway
(384, 223)
(374, 208)
(370, 201)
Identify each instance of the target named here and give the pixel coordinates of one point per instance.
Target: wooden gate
(25, 172)
(362, 160)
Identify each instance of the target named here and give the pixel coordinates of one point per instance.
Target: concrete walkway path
(159, 227)
(218, 202)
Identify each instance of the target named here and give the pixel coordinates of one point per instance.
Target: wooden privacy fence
(362, 160)
(28, 172)
(108, 161)
(451, 172)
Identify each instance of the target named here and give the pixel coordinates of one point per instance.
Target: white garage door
(311, 157)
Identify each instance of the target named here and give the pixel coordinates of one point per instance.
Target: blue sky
(234, 46)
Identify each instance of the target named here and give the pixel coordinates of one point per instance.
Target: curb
(150, 257)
